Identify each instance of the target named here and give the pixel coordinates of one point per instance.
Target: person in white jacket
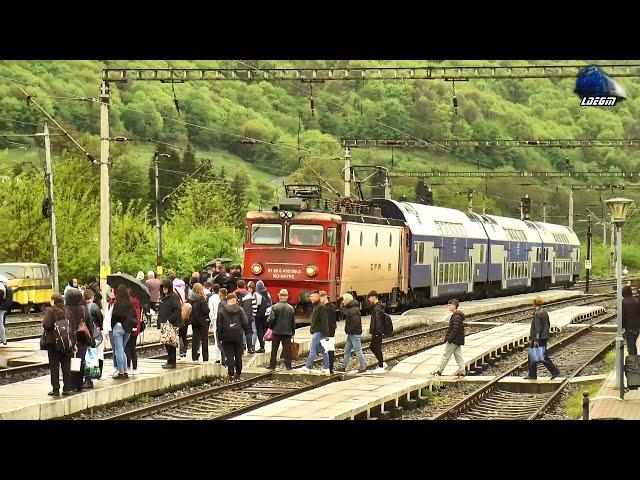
(214, 302)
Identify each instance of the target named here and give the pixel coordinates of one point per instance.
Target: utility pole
(588, 265)
(470, 200)
(347, 172)
(612, 260)
(159, 260)
(54, 236)
(571, 208)
(105, 207)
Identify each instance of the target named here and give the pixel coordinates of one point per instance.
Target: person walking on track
(539, 335)
(232, 321)
(454, 340)
(353, 329)
(376, 328)
(57, 359)
(630, 319)
(282, 322)
(319, 330)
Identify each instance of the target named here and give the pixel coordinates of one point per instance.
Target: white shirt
(106, 321)
(214, 301)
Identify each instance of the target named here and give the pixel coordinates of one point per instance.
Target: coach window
(312, 235)
(331, 236)
(266, 233)
(420, 253)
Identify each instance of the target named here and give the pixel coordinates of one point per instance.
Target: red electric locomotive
(301, 244)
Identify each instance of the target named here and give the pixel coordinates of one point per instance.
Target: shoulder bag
(169, 335)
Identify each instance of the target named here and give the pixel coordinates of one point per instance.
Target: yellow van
(31, 283)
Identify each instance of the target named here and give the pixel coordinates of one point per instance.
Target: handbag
(84, 330)
(43, 341)
(268, 337)
(537, 354)
(295, 351)
(169, 335)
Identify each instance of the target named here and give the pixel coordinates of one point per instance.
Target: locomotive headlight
(282, 214)
(311, 271)
(256, 269)
(289, 214)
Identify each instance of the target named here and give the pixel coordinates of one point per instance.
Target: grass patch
(573, 408)
(143, 398)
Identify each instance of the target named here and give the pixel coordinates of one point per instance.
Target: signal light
(526, 206)
(46, 207)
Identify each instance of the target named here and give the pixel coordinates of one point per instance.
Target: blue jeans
(250, 340)
(353, 341)
(313, 352)
(2, 334)
(119, 339)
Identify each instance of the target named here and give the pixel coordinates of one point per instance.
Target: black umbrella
(212, 263)
(138, 289)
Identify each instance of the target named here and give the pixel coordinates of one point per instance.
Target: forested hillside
(208, 120)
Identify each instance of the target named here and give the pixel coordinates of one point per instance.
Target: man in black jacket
(453, 340)
(539, 334)
(630, 319)
(376, 328)
(282, 322)
(319, 330)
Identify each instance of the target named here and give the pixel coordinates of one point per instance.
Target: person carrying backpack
(232, 321)
(6, 301)
(261, 314)
(376, 328)
(57, 358)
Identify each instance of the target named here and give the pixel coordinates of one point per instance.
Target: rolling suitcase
(632, 371)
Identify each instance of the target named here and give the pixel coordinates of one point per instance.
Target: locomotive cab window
(331, 236)
(266, 233)
(306, 235)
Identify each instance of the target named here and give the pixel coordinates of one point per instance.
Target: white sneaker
(134, 373)
(379, 370)
(326, 371)
(115, 372)
(305, 370)
(384, 365)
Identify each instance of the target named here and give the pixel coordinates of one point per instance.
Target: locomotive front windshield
(266, 233)
(311, 235)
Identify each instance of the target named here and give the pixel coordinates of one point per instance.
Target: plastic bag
(537, 354)
(91, 358)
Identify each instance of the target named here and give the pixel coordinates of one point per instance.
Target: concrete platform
(424, 316)
(562, 317)
(365, 395)
(28, 400)
(606, 404)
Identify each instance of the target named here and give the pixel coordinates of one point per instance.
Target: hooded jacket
(199, 312)
(229, 318)
(51, 316)
(353, 320)
(76, 310)
(376, 326)
(170, 309)
(630, 310)
(319, 322)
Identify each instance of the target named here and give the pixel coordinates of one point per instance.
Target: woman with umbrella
(123, 321)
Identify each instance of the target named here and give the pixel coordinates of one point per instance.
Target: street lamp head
(619, 208)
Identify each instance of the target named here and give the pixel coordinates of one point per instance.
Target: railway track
(221, 402)
(492, 402)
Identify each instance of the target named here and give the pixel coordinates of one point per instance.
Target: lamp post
(619, 207)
